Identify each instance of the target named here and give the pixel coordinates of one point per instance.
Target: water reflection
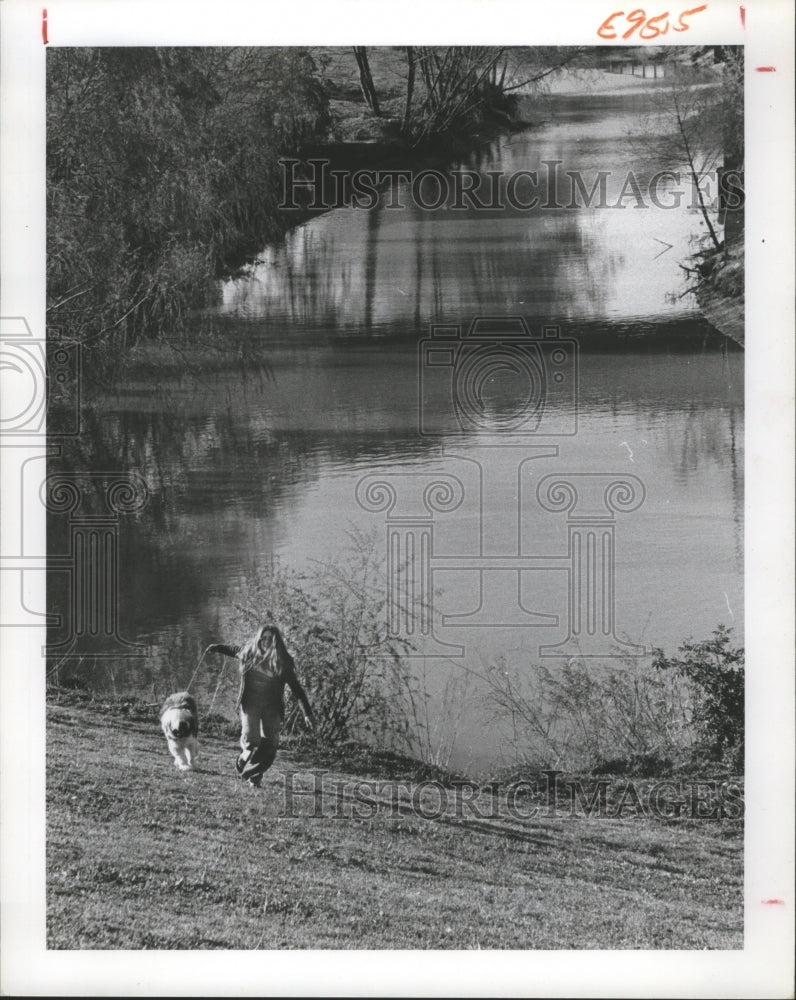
(390, 269)
(237, 477)
(245, 470)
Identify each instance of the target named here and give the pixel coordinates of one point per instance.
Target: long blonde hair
(266, 649)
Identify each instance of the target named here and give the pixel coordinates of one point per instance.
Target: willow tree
(460, 85)
(162, 171)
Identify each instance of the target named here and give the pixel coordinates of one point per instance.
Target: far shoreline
(198, 352)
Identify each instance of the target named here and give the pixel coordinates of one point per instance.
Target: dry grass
(141, 856)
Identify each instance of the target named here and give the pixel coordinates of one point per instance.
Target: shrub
(640, 716)
(715, 671)
(334, 623)
(162, 171)
(623, 718)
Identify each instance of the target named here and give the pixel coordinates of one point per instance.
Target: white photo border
(765, 966)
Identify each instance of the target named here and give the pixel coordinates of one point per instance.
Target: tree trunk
(410, 85)
(366, 80)
(695, 180)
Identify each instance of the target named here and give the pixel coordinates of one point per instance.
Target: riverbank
(720, 290)
(140, 855)
(167, 226)
(166, 174)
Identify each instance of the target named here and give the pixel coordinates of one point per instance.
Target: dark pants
(261, 717)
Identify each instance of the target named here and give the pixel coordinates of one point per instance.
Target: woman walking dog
(265, 668)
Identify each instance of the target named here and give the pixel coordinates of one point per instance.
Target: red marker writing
(44, 25)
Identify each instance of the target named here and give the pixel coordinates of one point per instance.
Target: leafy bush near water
(715, 674)
(640, 716)
(334, 623)
(162, 171)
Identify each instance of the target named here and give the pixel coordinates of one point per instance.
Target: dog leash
(201, 660)
(218, 685)
(220, 678)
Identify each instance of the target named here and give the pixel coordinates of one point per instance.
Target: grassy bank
(142, 856)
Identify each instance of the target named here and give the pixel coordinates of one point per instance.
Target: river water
(244, 470)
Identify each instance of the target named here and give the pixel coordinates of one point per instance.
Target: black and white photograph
(396, 457)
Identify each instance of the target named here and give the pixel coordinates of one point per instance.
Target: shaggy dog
(180, 722)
